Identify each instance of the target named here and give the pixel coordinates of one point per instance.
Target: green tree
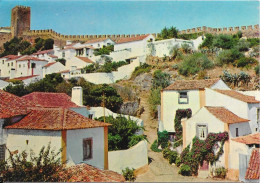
(18, 90)
(160, 79)
(208, 41)
(48, 44)
(224, 41)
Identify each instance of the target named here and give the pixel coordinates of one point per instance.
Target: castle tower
(20, 20)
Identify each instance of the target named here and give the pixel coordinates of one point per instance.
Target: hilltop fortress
(21, 21)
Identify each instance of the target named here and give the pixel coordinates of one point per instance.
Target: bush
(228, 56)
(144, 68)
(192, 64)
(121, 132)
(245, 61)
(46, 167)
(207, 42)
(257, 70)
(224, 41)
(163, 138)
(129, 174)
(15, 81)
(135, 139)
(107, 67)
(220, 172)
(172, 157)
(160, 79)
(185, 170)
(154, 100)
(178, 161)
(243, 45)
(167, 33)
(154, 147)
(253, 42)
(186, 48)
(104, 51)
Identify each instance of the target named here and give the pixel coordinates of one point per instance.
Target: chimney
(77, 95)
(12, 73)
(18, 54)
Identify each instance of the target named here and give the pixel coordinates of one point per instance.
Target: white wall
(3, 134)
(220, 85)
(170, 105)
(243, 129)
(16, 140)
(123, 72)
(252, 116)
(99, 112)
(57, 67)
(135, 157)
(3, 84)
(32, 80)
(75, 146)
(254, 93)
(119, 55)
(4, 68)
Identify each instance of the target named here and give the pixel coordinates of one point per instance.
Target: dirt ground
(159, 169)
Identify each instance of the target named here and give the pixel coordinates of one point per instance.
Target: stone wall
(4, 37)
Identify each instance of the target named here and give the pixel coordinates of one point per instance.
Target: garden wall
(123, 72)
(135, 157)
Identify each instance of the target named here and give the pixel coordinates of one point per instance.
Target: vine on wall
(180, 113)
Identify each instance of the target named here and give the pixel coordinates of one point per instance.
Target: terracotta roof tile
(88, 173)
(43, 52)
(225, 115)
(13, 57)
(11, 105)
(191, 84)
(85, 59)
(95, 40)
(49, 64)
(253, 170)
(30, 58)
(69, 47)
(248, 139)
(65, 71)
(47, 99)
(25, 77)
(53, 56)
(55, 119)
(239, 96)
(131, 39)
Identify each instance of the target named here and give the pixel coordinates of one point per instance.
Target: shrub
(15, 81)
(104, 51)
(245, 61)
(46, 167)
(61, 60)
(160, 79)
(220, 172)
(154, 100)
(243, 45)
(257, 70)
(163, 138)
(166, 153)
(186, 48)
(224, 41)
(121, 132)
(253, 42)
(228, 56)
(107, 67)
(154, 147)
(178, 161)
(141, 69)
(185, 170)
(192, 64)
(129, 174)
(172, 157)
(208, 41)
(167, 33)
(135, 139)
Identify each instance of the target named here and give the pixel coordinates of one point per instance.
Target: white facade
(135, 157)
(238, 107)
(136, 48)
(4, 71)
(30, 80)
(54, 68)
(24, 68)
(98, 43)
(3, 84)
(75, 146)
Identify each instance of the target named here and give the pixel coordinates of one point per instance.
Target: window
(202, 132)
(237, 132)
(8, 64)
(3, 61)
(19, 65)
(33, 65)
(2, 152)
(90, 116)
(63, 54)
(258, 114)
(12, 64)
(87, 149)
(183, 98)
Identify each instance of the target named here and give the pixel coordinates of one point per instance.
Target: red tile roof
(85, 59)
(95, 40)
(88, 173)
(30, 58)
(239, 96)
(69, 47)
(191, 84)
(49, 64)
(253, 170)
(131, 39)
(25, 77)
(46, 99)
(11, 105)
(65, 71)
(43, 52)
(13, 57)
(248, 139)
(55, 119)
(53, 56)
(225, 115)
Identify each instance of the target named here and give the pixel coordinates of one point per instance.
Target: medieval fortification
(20, 27)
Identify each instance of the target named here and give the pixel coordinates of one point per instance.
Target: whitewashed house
(242, 105)
(29, 79)
(8, 63)
(46, 55)
(99, 43)
(52, 67)
(135, 45)
(215, 120)
(182, 95)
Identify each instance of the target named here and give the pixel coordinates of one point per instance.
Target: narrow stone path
(159, 168)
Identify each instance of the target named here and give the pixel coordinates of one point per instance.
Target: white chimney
(19, 54)
(77, 95)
